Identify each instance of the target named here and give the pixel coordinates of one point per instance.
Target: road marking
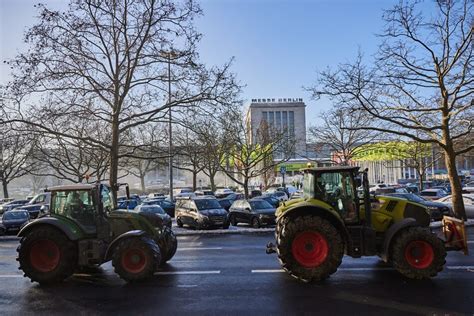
(361, 269)
(460, 267)
(187, 272)
(201, 248)
(187, 285)
(11, 275)
(470, 241)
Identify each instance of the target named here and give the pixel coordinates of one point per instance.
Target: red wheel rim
(419, 254)
(310, 249)
(44, 255)
(134, 260)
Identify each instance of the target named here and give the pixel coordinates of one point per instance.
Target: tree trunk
(142, 183)
(456, 189)
(194, 180)
(5, 188)
(212, 181)
(246, 187)
(114, 159)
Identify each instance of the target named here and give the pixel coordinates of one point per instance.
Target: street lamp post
(170, 149)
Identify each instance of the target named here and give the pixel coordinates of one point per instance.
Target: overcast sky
(278, 45)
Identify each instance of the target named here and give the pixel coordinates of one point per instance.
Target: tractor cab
(84, 204)
(336, 187)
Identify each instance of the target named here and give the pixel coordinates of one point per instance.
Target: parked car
(35, 204)
(225, 203)
(255, 193)
(469, 187)
(374, 187)
(165, 204)
(437, 210)
(443, 187)
(12, 221)
(6, 200)
(412, 189)
(156, 195)
(128, 204)
(157, 210)
(270, 199)
(201, 213)
(433, 194)
(222, 193)
(468, 200)
(256, 212)
(11, 205)
(280, 195)
(204, 192)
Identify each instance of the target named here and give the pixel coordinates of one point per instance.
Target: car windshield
(414, 198)
(207, 204)
(260, 205)
(15, 215)
(151, 209)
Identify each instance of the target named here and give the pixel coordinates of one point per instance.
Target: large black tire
(309, 247)
(179, 222)
(46, 255)
(171, 245)
(136, 258)
(417, 253)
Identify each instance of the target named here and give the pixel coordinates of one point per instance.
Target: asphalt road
(231, 274)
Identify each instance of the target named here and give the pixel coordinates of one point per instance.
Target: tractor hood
(288, 205)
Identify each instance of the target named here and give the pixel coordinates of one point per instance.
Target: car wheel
(179, 222)
(255, 222)
(233, 220)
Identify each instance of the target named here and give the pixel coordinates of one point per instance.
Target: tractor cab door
(340, 192)
(76, 205)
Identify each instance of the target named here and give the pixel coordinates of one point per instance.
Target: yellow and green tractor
(338, 215)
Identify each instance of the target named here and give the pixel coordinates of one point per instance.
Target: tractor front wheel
(418, 254)
(171, 244)
(309, 247)
(136, 259)
(46, 255)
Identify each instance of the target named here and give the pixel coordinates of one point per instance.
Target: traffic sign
(282, 169)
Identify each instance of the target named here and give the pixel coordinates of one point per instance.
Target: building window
(278, 121)
(265, 116)
(284, 120)
(271, 119)
(291, 123)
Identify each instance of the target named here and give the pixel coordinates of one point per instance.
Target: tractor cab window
(107, 199)
(338, 191)
(77, 205)
(308, 185)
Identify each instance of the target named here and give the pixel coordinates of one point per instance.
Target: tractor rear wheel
(418, 254)
(47, 256)
(309, 247)
(136, 259)
(171, 244)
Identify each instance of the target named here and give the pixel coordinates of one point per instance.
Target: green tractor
(84, 229)
(335, 218)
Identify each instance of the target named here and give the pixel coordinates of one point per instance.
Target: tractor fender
(392, 232)
(73, 233)
(129, 234)
(326, 213)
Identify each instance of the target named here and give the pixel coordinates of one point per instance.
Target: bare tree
(114, 63)
(339, 132)
(15, 156)
(249, 158)
(422, 83)
(188, 153)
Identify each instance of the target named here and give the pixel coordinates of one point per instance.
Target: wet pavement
(231, 274)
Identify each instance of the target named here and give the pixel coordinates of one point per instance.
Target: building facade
(285, 116)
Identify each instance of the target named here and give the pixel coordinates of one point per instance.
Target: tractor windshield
(308, 185)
